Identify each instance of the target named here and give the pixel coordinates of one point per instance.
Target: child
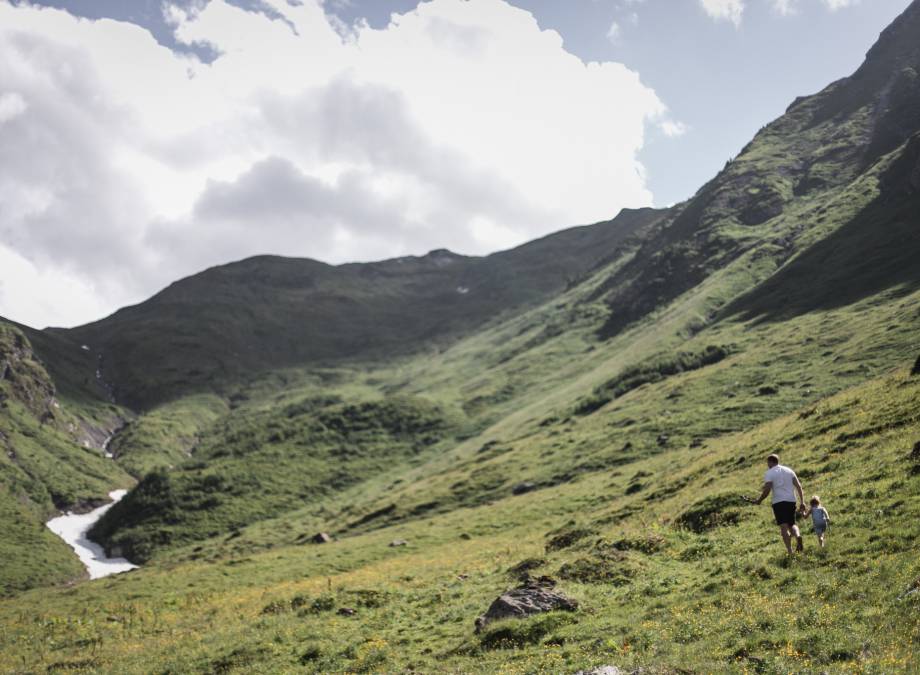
(819, 518)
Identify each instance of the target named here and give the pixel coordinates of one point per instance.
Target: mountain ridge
(270, 311)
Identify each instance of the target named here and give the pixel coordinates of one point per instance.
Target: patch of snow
(85, 348)
(73, 527)
(462, 290)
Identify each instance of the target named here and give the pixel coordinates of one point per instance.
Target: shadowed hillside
(229, 322)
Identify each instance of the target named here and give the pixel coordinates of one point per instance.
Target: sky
(142, 141)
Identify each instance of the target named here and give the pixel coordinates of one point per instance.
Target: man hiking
(784, 484)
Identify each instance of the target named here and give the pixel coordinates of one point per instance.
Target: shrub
(525, 566)
(566, 538)
(515, 633)
(616, 570)
(648, 372)
(711, 512)
(648, 544)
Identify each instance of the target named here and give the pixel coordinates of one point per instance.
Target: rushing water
(73, 527)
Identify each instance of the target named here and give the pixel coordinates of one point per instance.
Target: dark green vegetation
(257, 464)
(211, 330)
(597, 422)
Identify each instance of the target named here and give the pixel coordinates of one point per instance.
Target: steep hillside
(212, 329)
(49, 460)
(782, 194)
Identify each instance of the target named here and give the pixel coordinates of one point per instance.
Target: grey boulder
(534, 597)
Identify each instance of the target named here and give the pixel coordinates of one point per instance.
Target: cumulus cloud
(724, 10)
(460, 124)
(834, 5)
(733, 10)
(784, 7)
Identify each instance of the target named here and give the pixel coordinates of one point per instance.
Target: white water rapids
(73, 527)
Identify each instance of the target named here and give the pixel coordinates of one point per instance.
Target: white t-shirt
(783, 480)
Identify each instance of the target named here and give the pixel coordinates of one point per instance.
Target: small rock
(321, 538)
(399, 542)
(767, 391)
(465, 537)
(916, 368)
(602, 670)
(909, 593)
(346, 611)
(531, 598)
(663, 440)
(522, 488)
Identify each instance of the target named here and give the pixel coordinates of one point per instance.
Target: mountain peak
(899, 44)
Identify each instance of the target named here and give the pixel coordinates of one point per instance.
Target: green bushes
(516, 633)
(651, 371)
(258, 463)
(613, 568)
(566, 537)
(711, 512)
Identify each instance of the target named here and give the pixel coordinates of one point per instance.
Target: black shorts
(784, 512)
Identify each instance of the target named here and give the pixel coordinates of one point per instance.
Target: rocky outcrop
(523, 488)
(534, 597)
(25, 377)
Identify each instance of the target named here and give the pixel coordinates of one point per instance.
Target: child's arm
(807, 512)
(827, 516)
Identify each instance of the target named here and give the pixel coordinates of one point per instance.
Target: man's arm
(764, 493)
(798, 488)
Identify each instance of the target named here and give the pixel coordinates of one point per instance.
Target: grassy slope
(259, 463)
(44, 466)
(653, 594)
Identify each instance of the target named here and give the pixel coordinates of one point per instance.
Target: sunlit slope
(672, 570)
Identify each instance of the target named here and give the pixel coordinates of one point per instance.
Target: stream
(72, 528)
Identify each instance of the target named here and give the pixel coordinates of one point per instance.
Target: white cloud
(834, 5)
(613, 33)
(30, 295)
(12, 105)
(460, 124)
(781, 7)
(724, 10)
(784, 7)
(672, 128)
